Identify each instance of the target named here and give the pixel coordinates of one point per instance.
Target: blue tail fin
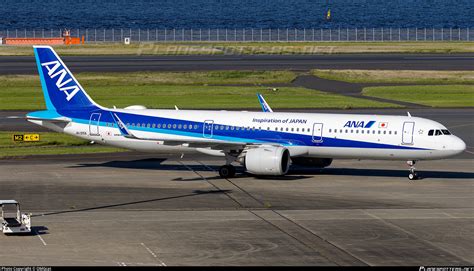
(61, 90)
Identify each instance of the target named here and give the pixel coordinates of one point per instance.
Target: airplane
(265, 143)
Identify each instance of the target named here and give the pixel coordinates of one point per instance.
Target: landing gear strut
(412, 175)
(227, 171)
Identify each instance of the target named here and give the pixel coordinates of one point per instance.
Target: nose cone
(458, 145)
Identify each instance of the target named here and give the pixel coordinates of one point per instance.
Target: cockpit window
(430, 132)
(446, 132)
(438, 132)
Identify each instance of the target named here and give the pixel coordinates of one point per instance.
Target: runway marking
(41, 238)
(153, 254)
(121, 264)
(414, 236)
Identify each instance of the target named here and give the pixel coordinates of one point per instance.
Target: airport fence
(253, 35)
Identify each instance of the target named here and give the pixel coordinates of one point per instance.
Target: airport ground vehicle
(13, 221)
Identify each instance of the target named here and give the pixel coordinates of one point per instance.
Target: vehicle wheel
(227, 171)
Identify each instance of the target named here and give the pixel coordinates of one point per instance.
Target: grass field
(51, 143)
(191, 97)
(163, 78)
(251, 48)
(430, 95)
(401, 76)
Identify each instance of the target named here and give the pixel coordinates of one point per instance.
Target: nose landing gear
(412, 175)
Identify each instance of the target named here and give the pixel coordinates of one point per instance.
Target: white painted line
(469, 152)
(41, 238)
(153, 254)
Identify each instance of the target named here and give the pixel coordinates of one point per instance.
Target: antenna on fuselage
(409, 114)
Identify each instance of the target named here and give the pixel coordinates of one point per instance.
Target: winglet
(263, 103)
(123, 129)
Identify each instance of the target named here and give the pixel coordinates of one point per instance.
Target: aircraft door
(407, 134)
(94, 124)
(207, 129)
(317, 133)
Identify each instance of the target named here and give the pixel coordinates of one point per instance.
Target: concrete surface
(142, 209)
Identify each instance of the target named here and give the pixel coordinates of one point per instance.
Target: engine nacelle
(311, 162)
(267, 160)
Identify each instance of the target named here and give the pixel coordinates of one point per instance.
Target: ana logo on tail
(70, 91)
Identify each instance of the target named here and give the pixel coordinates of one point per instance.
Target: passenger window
(389, 132)
(379, 132)
(138, 124)
(148, 125)
(180, 126)
(232, 128)
(195, 126)
(384, 132)
(395, 132)
(346, 131)
(154, 125)
(184, 126)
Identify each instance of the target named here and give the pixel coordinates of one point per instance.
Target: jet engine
(267, 160)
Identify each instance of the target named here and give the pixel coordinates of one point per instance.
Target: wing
(263, 103)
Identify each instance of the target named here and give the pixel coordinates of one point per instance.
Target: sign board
(126, 41)
(26, 137)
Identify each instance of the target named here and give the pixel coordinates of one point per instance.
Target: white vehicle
(13, 221)
(266, 143)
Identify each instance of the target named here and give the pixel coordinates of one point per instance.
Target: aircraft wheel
(412, 176)
(227, 171)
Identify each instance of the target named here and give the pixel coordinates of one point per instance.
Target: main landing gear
(412, 175)
(227, 171)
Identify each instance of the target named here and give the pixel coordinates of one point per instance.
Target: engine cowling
(311, 162)
(267, 161)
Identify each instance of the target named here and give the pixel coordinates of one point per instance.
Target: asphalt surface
(458, 120)
(142, 209)
(26, 64)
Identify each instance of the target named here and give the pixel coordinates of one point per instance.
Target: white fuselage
(304, 134)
